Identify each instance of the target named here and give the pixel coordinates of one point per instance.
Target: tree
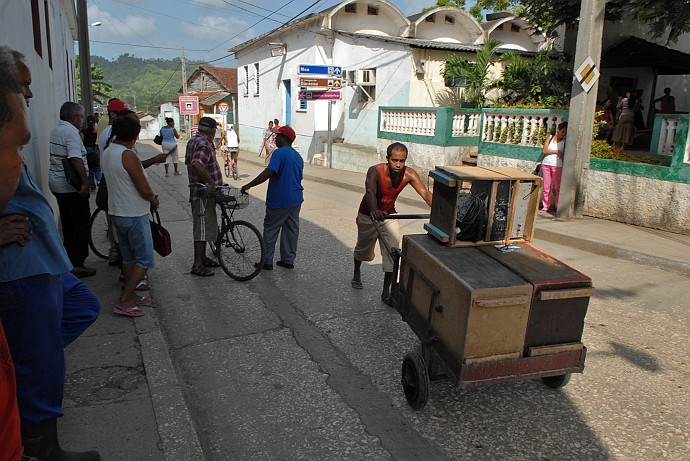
(546, 77)
(474, 74)
(100, 91)
(672, 16)
(439, 3)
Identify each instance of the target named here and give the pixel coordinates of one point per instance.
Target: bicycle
(230, 155)
(99, 233)
(239, 247)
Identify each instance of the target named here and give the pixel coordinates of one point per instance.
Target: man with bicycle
(202, 167)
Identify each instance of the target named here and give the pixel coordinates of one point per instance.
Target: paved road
(298, 365)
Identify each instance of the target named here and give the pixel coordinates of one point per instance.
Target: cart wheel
(415, 381)
(556, 382)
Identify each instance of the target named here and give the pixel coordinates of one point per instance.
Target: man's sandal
(208, 262)
(201, 271)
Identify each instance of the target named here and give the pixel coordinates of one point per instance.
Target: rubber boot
(41, 441)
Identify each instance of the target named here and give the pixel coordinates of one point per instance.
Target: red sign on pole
(189, 105)
(223, 107)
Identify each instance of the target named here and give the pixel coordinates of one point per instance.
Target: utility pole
(84, 57)
(582, 106)
(184, 92)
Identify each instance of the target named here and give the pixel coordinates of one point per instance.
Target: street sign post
(189, 105)
(321, 82)
(324, 95)
(318, 69)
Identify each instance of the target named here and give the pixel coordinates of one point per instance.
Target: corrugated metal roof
(216, 98)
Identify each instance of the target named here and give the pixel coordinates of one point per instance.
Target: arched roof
(340, 18)
(494, 28)
(463, 28)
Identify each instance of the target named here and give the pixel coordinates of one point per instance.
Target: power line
(142, 46)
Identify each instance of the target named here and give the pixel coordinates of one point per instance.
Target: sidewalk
(651, 247)
(123, 397)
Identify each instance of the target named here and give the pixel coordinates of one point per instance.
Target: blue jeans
(95, 174)
(41, 316)
(136, 243)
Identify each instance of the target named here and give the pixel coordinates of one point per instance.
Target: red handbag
(161, 237)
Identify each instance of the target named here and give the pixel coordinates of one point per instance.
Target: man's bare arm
(419, 186)
(371, 186)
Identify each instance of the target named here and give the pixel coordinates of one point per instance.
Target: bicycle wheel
(227, 170)
(240, 250)
(99, 234)
(235, 172)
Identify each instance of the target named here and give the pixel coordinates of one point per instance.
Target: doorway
(288, 102)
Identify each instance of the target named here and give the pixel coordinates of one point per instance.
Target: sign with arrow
(327, 95)
(321, 82)
(320, 69)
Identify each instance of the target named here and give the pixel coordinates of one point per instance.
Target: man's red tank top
(385, 196)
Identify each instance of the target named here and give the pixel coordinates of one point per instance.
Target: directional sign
(316, 95)
(321, 82)
(318, 69)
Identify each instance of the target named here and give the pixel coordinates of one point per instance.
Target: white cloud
(218, 29)
(130, 29)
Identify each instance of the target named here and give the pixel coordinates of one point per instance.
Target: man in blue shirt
(283, 199)
(43, 309)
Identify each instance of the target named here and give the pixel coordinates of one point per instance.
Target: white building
(387, 60)
(45, 32)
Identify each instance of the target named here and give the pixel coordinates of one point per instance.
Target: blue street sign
(318, 69)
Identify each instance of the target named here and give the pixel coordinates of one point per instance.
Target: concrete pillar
(84, 58)
(582, 107)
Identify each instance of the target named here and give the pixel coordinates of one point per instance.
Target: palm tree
(474, 74)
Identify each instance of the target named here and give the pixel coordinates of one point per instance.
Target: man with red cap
(283, 199)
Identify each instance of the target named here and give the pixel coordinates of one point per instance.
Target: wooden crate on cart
(481, 206)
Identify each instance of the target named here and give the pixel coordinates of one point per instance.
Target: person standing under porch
(552, 165)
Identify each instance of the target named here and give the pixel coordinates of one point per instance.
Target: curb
(178, 436)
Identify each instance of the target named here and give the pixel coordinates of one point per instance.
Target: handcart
(485, 315)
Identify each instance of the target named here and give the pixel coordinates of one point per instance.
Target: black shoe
(285, 265)
(41, 441)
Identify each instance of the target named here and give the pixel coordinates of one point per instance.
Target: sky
(205, 28)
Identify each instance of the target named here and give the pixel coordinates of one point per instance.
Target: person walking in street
(383, 184)
(130, 200)
(552, 165)
(169, 146)
(232, 141)
(65, 143)
(203, 168)
(269, 140)
(283, 199)
(47, 307)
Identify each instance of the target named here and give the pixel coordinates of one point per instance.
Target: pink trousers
(552, 176)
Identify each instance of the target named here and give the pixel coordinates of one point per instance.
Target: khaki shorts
(367, 236)
(204, 220)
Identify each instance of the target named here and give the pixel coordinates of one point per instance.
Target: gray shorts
(204, 220)
(367, 236)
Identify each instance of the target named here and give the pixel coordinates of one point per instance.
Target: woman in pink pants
(552, 165)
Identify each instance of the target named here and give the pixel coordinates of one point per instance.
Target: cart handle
(408, 216)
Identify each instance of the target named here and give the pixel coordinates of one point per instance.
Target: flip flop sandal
(210, 263)
(388, 301)
(142, 287)
(128, 311)
(142, 301)
(201, 271)
(356, 285)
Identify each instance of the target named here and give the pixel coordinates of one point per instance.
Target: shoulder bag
(161, 237)
(159, 138)
(71, 173)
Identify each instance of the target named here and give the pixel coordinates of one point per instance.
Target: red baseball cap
(287, 131)
(116, 106)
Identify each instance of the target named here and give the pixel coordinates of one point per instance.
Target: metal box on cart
(508, 197)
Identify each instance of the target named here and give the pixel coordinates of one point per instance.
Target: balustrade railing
(520, 127)
(414, 121)
(667, 135)
(466, 123)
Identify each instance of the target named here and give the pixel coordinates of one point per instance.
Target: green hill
(144, 84)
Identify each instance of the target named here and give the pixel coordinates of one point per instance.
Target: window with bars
(256, 79)
(36, 21)
(246, 80)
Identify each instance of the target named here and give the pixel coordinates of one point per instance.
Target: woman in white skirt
(169, 145)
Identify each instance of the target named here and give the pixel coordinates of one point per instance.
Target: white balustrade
(466, 124)
(519, 127)
(417, 122)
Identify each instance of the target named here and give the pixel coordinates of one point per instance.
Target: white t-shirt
(231, 139)
(65, 142)
(553, 159)
(123, 197)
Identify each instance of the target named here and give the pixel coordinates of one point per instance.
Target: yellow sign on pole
(587, 74)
